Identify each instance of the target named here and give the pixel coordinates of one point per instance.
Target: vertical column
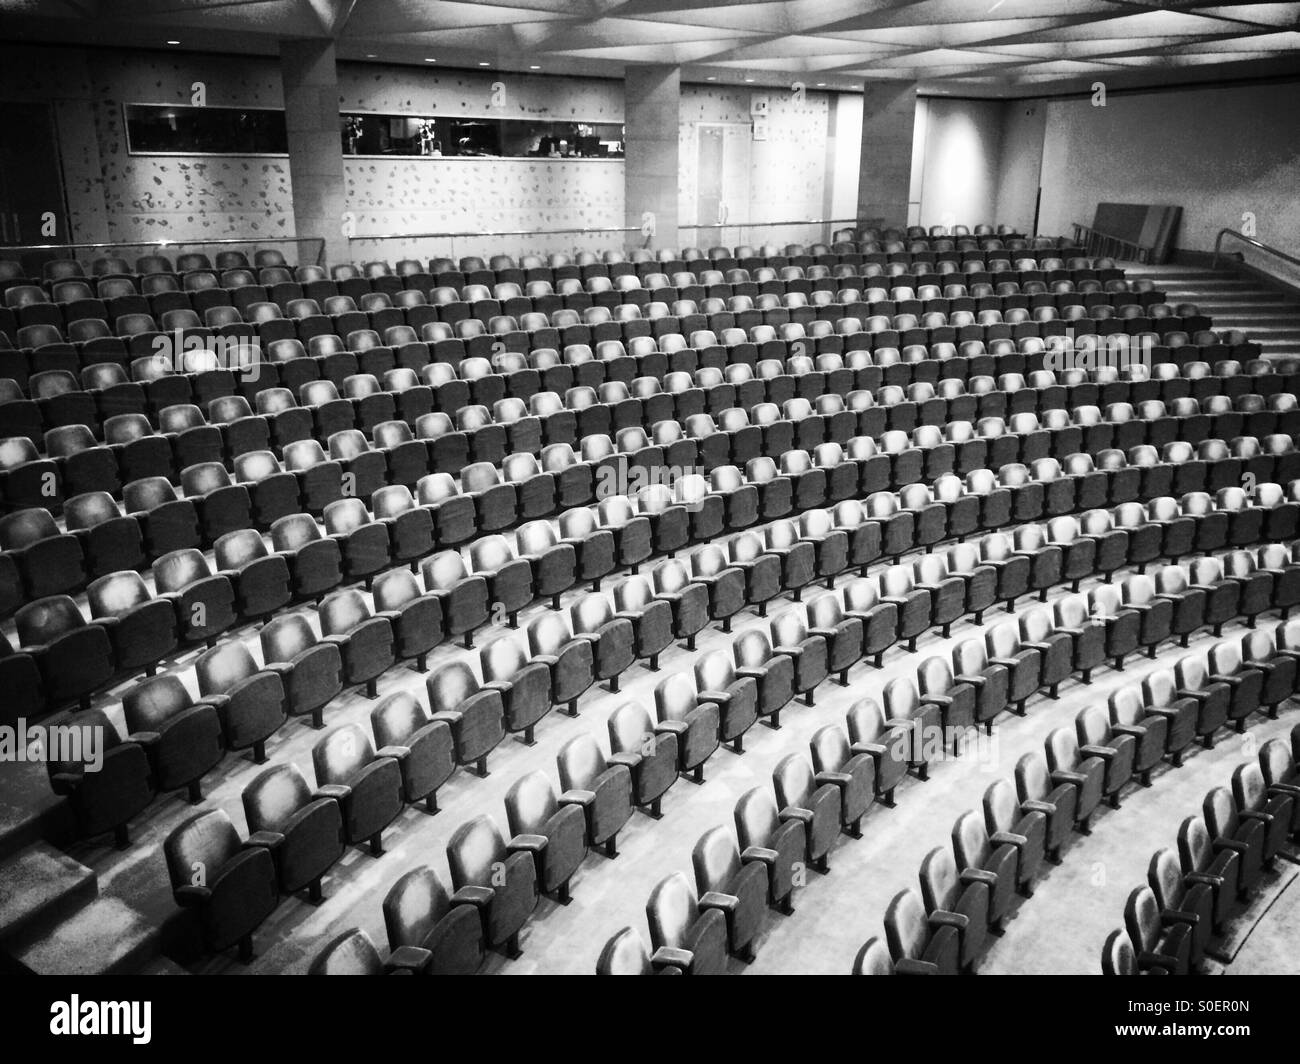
(888, 122)
(311, 116)
(650, 118)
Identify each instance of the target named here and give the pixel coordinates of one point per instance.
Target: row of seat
(233, 426)
(1191, 894)
(943, 930)
(584, 262)
(549, 419)
(933, 592)
(990, 676)
(831, 326)
(400, 526)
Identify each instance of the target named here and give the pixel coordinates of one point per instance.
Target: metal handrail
(114, 244)
(593, 230)
(1218, 246)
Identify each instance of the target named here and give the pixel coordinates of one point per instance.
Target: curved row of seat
(119, 411)
(968, 895)
(388, 336)
(28, 478)
(1012, 662)
(305, 562)
(1191, 894)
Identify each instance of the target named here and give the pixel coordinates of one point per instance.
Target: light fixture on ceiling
(431, 60)
(371, 55)
(749, 81)
(534, 66)
(821, 84)
(173, 42)
(485, 63)
(711, 77)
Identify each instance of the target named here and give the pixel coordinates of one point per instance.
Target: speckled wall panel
(455, 195)
(153, 197)
(459, 195)
(419, 91)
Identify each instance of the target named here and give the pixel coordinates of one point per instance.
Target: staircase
(1267, 315)
(54, 921)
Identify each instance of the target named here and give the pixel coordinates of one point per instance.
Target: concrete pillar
(888, 121)
(311, 117)
(650, 119)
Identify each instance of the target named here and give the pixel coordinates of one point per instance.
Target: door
(31, 179)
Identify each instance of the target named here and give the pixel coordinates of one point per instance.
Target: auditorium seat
(237, 887)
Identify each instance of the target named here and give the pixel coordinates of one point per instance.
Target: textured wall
(787, 172)
(456, 195)
(1216, 152)
(1021, 162)
(113, 195)
(960, 145)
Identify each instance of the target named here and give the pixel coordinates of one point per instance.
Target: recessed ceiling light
(711, 78)
(821, 84)
(485, 64)
(534, 67)
(431, 60)
(173, 42)
(749, 81)
(370, 55)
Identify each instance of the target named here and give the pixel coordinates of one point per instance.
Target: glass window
(175, 130)
(404, 135)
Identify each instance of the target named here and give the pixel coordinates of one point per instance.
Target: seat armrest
(479, 897)
(527, 843)
(979, 875)
(144, 738)
(270, 840)
(669, 957)
(794, 812)
(942, 918)
(1062, 775)
(1255, 814)
(1103, 752)
(1033, 805)
(838, 779)
(411, 960)
(759, 853)
(1009, 838)
(337, 791)
(675, 727)
(713, 899)
(190, 895)
(578, 797)
(1204, 877)
(630, 760)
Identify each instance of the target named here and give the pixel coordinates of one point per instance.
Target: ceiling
(967, 47)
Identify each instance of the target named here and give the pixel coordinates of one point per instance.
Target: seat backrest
(474, 851)
(413, 906)
(207, 840)
(274, 796)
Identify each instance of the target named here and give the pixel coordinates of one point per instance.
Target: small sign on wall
(759, 105)
(759, 128)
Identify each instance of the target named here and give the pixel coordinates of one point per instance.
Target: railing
(314, 256)
(1259, 245)
(453, 244)
(1111, 246)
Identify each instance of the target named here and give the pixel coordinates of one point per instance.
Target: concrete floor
(1060, 930)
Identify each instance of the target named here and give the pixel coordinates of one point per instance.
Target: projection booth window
(437, 135)
(172, 129)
